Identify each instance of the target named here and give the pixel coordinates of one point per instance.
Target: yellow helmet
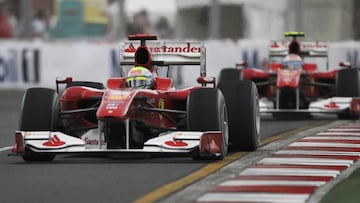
(139, 77)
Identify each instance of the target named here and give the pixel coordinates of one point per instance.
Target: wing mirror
(206, 80)
(241, 64)
(62, 80)
(345, 64)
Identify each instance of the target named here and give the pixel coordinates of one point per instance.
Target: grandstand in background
(331, 20)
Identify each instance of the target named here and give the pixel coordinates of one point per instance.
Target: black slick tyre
(206, 111)
(39, 112)
(229, 74)
(348, 85)
(243, 112)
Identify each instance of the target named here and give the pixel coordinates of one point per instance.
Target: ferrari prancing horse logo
(161, 105)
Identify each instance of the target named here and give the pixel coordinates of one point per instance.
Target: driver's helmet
(139, 77)
(293, 61)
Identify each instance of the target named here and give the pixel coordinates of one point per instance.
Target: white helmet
(293, 61)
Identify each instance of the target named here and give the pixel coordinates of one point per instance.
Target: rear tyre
(348, 85)
(206, 111)
(229, 74)
(39, 112)
(244, 116)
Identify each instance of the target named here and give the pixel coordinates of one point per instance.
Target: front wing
(179, 142)
(334, 105)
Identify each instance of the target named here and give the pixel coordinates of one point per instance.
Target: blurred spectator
(5, 26)
(141, 23)
(39, 24)
(50, 20)
(13, 23)
(163, 28)
(112, 11)
(43, 22)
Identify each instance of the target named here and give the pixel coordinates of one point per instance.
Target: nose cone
(115, 104)
(288, 78)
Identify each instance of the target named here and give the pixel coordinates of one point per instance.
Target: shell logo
(116, 97)
(288, 73)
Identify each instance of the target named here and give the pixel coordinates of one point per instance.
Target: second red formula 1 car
(299, 82)
(141, 111)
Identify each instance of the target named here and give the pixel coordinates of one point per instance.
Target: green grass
(347, 191)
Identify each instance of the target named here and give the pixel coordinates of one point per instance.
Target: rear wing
(167, 53)
(308, 48)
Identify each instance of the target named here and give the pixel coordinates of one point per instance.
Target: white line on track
(307, 161)
(289, 171)
(5, 148)
(323, 144)
(343, 130)
(272, 182)
(253, 197)
(317, 152)
(339, 133)
(332, 138)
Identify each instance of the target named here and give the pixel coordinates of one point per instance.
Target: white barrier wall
(26, 64)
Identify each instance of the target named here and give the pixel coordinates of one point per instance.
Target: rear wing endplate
(308, 48)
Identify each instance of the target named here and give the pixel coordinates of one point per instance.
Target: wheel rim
(224, 130)
(257, 118)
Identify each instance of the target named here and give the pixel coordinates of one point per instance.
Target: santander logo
(130, 49)
(188, 48)
(274, 45)
(54, 142)
(176, 143)
(331, 105)
(305, 45)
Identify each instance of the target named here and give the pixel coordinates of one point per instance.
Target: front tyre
(244, 115)
(206, 111)
(39, 112)
(348, 85)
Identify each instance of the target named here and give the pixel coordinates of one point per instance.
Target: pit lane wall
(25, 64)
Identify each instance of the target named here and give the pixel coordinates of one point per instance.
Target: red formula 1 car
(141, 112)
(299, 82)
